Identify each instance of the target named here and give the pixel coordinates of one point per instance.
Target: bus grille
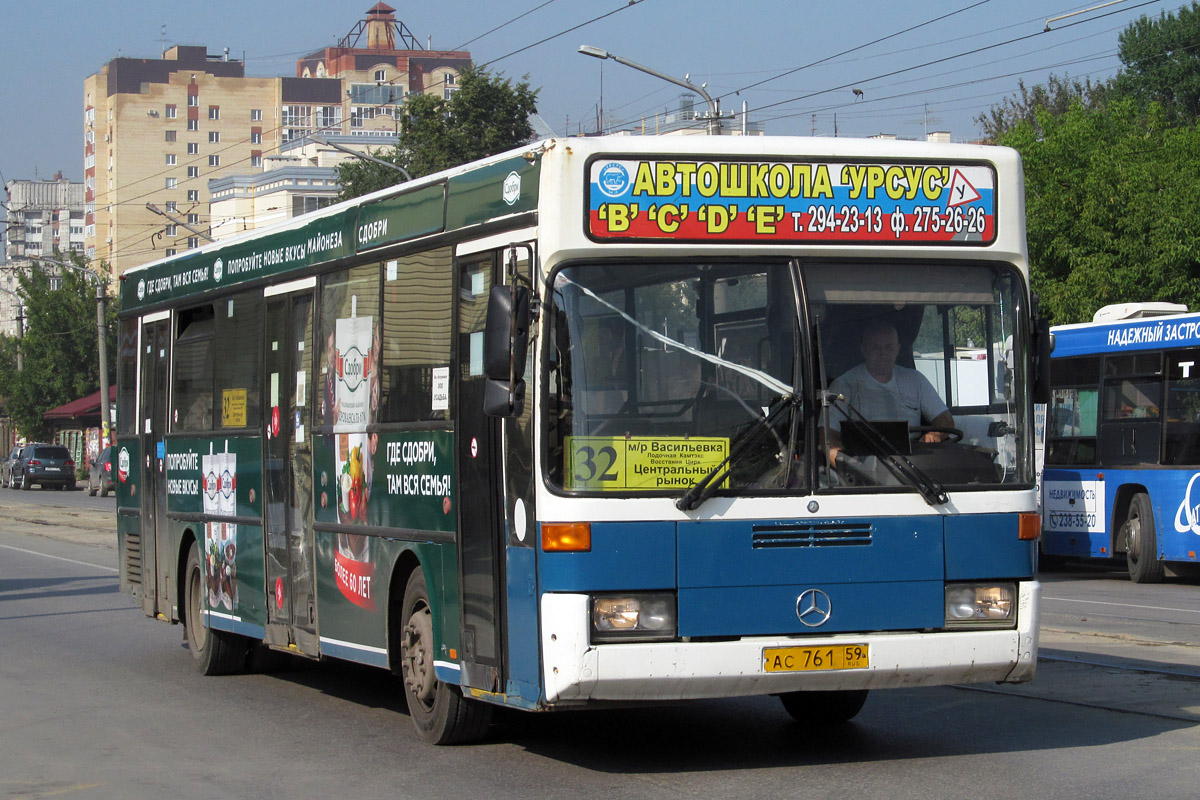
(133, 558)
(812, 534)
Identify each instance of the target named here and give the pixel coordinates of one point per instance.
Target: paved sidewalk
(95, 527)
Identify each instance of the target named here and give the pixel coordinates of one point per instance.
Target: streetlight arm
(714, 113)
(321, 140)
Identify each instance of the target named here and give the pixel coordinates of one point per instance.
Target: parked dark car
(6, 467)
(45, 465)
(100, 473)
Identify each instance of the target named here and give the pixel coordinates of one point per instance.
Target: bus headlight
(987, 605)
(633, 617)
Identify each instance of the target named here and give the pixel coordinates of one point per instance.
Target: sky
(802, 68)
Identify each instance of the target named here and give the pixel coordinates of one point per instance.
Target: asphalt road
(97, 701)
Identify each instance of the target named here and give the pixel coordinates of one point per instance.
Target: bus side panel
(524, 670)
(1083, 511)
(128, 455)
(353, 579)
(1175, 500)
(1076, 517)
(985, 546)
(353, 597)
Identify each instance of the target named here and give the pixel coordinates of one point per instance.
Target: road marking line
(1121, 605)
(59, 558)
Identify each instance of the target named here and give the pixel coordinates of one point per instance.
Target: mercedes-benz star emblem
(813, 607)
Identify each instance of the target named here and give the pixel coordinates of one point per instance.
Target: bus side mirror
(505, 344)
(1043, 343)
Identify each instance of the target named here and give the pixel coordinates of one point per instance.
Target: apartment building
(157, 131)
(45, 220)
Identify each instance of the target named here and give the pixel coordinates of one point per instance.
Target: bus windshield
(660, 372)
(921, 364)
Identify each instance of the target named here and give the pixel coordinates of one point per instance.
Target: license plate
(808, 659)
(52, 469)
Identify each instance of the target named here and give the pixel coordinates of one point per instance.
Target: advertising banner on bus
(791, 201)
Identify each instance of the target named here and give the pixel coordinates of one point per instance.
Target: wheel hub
(419, 676)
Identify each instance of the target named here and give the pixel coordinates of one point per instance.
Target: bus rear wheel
(213, 652)
(439, 711)
(824, 708)
(1141, 546)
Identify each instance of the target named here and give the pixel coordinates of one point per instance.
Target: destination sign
(791, 201)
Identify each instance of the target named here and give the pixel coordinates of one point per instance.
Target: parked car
(100, 473)
(6, 467)
(46, 465)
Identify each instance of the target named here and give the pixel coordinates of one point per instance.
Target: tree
(59, 349)
(1161, 58)
(1112, 207)
(486, 115)
(1056, 96)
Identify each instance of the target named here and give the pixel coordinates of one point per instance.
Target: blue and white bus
(1122, 451)
(550, 430)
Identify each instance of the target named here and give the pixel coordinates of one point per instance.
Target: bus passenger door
(156, 556)
(480, 487)
(287, 478)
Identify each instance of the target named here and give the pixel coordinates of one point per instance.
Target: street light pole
(714, 107)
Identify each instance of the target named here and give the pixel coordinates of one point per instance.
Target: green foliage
(1112, 206)
(486, 115)
(1161, 58)
(1112, 174)
(1056, 96)
(358, 177)
(59, 349)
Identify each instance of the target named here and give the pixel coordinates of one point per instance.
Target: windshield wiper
(703, 488)
(896, 462)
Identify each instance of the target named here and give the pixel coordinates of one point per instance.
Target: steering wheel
(953, 434)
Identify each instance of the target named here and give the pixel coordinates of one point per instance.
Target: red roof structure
(83, 407)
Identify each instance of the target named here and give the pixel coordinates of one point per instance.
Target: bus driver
(882, 390)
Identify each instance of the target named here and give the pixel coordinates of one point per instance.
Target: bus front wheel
(439, 711)
(824, 708)
(1141, 547)
(213, 652)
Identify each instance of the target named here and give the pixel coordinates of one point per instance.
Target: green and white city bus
(565, 427)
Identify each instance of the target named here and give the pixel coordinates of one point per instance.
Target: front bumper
(576, 671)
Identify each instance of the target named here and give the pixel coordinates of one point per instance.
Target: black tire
(824, 708)
(213, 652)
(1141, 544)
(25, 484)
(91, 489)
(439, 711)
(104, 488)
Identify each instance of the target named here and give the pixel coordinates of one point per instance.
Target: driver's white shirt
(907, 396)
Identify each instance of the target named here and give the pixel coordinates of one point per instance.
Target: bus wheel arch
(1120, 510)
(439, 711)
(1141, 541)
(213, 652)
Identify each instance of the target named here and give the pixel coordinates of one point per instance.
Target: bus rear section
(1122, 461)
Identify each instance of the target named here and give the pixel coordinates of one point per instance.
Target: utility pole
(101, 285)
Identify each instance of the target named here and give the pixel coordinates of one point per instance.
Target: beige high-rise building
(156, 131)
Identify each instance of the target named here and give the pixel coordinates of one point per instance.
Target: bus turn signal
(566, 537)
